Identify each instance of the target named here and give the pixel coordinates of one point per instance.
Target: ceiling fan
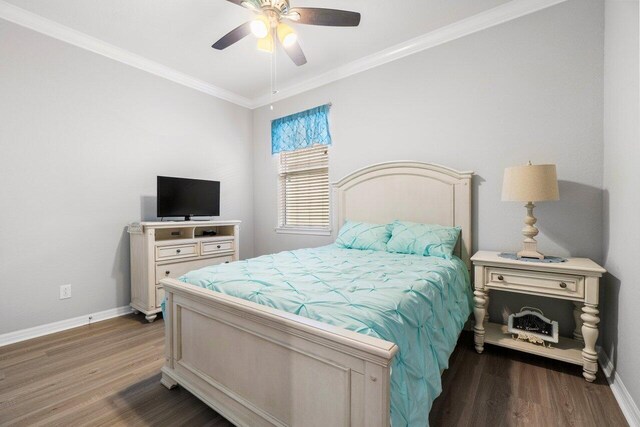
(269, 27)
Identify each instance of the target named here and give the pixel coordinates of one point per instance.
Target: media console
(170, 249)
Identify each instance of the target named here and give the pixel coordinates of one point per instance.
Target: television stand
(171, 249)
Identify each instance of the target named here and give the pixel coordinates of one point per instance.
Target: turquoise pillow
(362, 235)
(423, 239)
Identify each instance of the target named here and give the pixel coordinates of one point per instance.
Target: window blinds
(304, 188)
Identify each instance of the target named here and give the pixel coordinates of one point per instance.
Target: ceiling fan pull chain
(274, 64)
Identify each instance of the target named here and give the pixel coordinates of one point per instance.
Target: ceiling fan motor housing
(281, 6)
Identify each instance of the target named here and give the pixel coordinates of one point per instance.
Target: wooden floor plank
(521, 389)
(107, 374)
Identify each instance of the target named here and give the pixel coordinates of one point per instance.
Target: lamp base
(530, 250)
(529, 245)
(530, 254)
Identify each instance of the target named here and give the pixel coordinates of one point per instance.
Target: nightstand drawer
(535, 282)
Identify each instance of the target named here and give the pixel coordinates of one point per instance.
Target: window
(304, 190)
(301, 140)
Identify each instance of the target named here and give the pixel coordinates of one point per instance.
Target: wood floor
(70, 379)
(503, 387)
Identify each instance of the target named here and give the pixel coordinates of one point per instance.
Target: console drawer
(176, 251)
(177, 269)
(213, 247)
(536, 282)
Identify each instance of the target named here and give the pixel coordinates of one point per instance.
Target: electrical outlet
(65, 291)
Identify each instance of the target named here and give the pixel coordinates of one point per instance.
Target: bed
(297, 338)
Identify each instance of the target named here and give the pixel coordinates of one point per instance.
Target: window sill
(302, 230)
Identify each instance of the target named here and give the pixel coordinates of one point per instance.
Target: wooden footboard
(258, 366)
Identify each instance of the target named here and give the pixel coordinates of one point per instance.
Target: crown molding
(487, 19)
(61, 32)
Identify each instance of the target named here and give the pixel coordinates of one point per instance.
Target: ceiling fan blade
(328, 17)
(233, 36)
(295, 53)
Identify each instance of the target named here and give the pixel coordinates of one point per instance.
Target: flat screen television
(187, 197)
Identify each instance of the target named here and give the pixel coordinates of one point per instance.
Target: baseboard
(620, 392)
(62, 325)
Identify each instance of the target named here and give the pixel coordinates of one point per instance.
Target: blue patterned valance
(301, 130)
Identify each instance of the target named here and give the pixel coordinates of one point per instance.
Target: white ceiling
(179, 34)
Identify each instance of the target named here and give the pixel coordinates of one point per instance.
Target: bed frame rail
(258, 366)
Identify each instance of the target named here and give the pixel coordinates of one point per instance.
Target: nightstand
(577, 280)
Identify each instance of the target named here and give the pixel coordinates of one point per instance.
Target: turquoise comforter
(419, 303)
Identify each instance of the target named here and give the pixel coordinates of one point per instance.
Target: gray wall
(81, 141)
(530, 89)
(621, 190)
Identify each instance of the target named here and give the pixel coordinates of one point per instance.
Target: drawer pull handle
(167, 272)
(219, 246)
(177, 251)
(563, 285)
(500, 277)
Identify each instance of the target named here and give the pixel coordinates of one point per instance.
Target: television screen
(188, 197)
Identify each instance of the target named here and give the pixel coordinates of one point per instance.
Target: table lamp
(530, 183)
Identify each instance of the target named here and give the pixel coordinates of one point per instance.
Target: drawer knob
(167, 272)
(226, 262)
(500, 277)
(219, 246)
(563, 285)
(177, 251)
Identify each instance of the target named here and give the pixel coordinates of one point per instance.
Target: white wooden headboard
(410, 191)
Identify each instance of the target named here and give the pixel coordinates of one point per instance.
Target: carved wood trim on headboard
(410, 191)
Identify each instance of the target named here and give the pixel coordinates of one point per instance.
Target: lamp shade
(530, 183)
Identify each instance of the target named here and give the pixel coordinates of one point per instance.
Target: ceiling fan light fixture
(287, 36)
(265, 44)
(290, 40)
(259, 28)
